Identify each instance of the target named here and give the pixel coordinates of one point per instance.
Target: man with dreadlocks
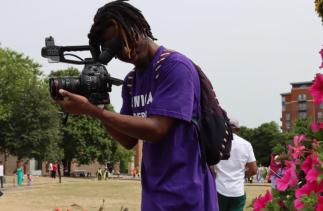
(158, 109)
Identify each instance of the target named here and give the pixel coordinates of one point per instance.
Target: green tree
(84, 139)
(28, 122)
(263, 139)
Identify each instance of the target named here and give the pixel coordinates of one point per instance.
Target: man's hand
(76, 104)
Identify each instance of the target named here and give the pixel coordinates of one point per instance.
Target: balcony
(302, 107)
(301, 98)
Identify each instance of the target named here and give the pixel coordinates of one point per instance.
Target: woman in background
(20, 174)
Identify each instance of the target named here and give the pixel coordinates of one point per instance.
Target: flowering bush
(300, 186)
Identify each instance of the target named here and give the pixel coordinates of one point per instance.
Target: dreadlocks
(128, 21)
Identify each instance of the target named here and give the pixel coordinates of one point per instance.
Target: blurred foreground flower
(260, 203)
(316, 89)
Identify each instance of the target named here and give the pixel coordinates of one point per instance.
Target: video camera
(94, 82)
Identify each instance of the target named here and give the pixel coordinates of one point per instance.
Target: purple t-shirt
(172, 177)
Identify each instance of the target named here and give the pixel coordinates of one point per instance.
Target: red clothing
(54, 167)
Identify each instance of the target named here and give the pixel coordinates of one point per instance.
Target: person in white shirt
(50, 168)
(230, 174)
(1, 173)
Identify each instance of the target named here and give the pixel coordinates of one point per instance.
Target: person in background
(20, 174)
(1, 173)
(275, 171)
(231, 173)
(106, 173)
(30, 180)
(99, 174)
(134, 173)
(50, 169)
(138, 173)
(54, 170)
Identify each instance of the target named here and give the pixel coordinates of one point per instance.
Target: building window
(302, 107)
(302, 115)
(304, 86)
(287, 116)
(302, 97)
(319, 115)
(283, 103)
(287, 125)
(321, 105)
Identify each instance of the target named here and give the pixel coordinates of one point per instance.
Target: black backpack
(215, 132)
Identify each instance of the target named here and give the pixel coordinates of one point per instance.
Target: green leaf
(319, 178)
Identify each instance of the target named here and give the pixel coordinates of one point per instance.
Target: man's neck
(152, 50)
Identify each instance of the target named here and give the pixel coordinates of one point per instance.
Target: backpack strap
(130, 79)
(202, 145)
(162, 57)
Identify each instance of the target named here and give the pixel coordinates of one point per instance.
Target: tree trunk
(4, 163)
(67, 168)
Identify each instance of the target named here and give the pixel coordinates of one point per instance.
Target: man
(54, 170)
(231, 174)
(1, 173)
(50, 169)
(99, 174)
(158, 111)
(134, 172)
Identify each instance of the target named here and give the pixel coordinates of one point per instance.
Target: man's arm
(129, 129)
(125, 140)
(213, 171)
(252, 169)
(125, 129)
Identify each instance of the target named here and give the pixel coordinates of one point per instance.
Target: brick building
(299, 103)
(38, 167)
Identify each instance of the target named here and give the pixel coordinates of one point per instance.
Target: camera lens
(68, 83)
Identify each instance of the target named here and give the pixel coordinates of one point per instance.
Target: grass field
(47, 194)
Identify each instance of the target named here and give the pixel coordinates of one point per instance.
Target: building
(38, 167)
(136, 163)
(299, 103)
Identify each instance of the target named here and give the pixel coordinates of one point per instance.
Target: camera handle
(55, 54)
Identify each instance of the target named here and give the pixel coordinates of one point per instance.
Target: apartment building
(299, 103)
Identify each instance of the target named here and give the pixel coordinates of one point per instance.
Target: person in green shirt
(138, 173)
(99, 174)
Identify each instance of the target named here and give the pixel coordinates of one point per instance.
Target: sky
(250, 50)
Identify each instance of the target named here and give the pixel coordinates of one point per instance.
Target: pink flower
(290, 177)
(274, 166)
(298, 149)
(290, 149)
(319, 205)
(310, 162)
(306, 189)
(291, 164)
(312, 175)
(321, 52)
(316, 89)
(260, 203)
(316, 126)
